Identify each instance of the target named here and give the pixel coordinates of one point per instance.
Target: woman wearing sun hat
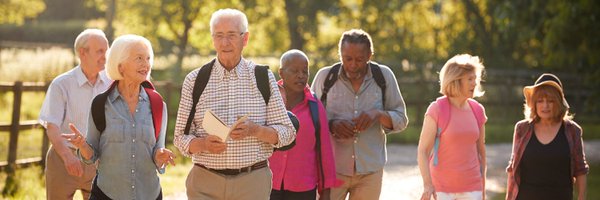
(547, 156)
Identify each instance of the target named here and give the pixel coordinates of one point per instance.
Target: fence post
(45, 139)
(14, 126)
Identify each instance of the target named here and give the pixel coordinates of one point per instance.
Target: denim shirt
(125, 150)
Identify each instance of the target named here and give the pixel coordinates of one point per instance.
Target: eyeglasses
(228, 36)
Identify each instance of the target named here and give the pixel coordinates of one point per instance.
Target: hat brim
(528, 91)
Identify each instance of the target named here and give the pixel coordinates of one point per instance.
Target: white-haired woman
(126, 127)
(547, 155)
(454, 129)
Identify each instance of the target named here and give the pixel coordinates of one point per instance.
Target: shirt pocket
(114, 131)
(147, 133)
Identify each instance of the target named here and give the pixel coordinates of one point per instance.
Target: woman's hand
(428, 192)
(74, 138)
(163, 157)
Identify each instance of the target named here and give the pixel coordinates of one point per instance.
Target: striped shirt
(232, 94)
(69, 98)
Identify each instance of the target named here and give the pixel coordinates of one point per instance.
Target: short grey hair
(356, 36)
(288, 55)
(83, 38)
(226, 13)
(119, 52)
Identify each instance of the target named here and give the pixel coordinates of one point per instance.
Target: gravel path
(402, 179)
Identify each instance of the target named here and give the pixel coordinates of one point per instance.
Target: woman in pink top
(297, 173)
(451, 152)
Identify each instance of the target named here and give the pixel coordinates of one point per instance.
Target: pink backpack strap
(156, 107)
(477, 109)
(442, 122)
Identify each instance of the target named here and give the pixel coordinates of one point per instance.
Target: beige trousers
(367, 186)
(61, 185)
(206, 185)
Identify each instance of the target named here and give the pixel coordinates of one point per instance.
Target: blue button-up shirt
(125, 150)
(366, 152)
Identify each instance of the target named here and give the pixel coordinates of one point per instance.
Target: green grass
(29, 182)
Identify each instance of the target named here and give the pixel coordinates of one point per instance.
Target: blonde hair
(560, 111)
(455, 69)
(119, 52)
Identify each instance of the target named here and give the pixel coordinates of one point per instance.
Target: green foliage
(62, 32)
(17, 11)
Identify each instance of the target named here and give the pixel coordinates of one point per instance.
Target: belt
(255, 166)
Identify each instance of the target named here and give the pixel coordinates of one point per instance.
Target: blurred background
(516, 39)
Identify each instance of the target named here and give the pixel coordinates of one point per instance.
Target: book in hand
(213, 125)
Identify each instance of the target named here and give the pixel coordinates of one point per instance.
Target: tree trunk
(110, 16)
(292, 10)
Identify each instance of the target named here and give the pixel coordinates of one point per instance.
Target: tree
(17, 11)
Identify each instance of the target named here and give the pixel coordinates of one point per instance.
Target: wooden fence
(503, 102)
(16, 125)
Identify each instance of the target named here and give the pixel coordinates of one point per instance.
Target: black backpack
(262, 82)
(156, 105)
(332, 76)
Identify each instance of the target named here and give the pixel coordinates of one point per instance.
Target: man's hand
(343, 129)
(366, 119)
(73, 165)
(211, 143)
(163, 157)
(243, 130)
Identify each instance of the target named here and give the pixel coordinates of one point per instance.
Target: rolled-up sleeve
(277, 117)
(394, 103)
(182, 140)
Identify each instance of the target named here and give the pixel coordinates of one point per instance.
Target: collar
(113, 96)
(308, 95)
(238, 70)
(82, 79)
(369, 75)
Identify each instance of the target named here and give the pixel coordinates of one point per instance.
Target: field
(44, 64)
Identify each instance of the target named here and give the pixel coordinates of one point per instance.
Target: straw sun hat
(545, 79)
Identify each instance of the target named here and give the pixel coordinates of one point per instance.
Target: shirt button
(356, 111)
(352, 156)
(133, 140)
(355, 141)
(133, 186)
(133, 125)
(136, 110)
(133, 156)
(132, 171)
(356, 97)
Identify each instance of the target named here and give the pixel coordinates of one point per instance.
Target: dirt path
(402, 179)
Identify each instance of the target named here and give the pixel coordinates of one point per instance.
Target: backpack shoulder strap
(314, 114)
(443, 114)
(156, 107)
(443, 118)
(379, 79)
(332, 76)
(98, 112)
(477, 111)
(261, 72)
(199, 85)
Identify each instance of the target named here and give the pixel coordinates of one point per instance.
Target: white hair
(83, 38)
(288, 55)
(119, 52)
(229, 13)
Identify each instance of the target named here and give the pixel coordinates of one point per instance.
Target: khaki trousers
(61, 185)
(360, 187)
(206, 185)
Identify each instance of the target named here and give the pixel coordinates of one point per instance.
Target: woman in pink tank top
(451, 152)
